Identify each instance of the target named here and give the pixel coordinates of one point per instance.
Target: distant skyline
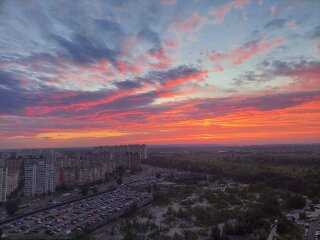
(90, 73)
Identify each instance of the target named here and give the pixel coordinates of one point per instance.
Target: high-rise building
(40, 178)
(3, 184)
(12, 181)
(30, 178)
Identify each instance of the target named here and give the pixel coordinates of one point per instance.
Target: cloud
(128, 84)
(169, 2)
(192, 24)
(222, 11)
(171, 43)
(276, 23)
(8, 81)
(162, 59)
(225, 117)
(245, 52)
(252, 77)
(110, 27)
(315, 34)
(175, 76)
(274, 10)
(151, 37)
(50, 101)
(83, 50)
(305, 74)
(224, 106)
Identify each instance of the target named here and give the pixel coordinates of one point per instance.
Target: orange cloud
(182, 124)
(198, 76)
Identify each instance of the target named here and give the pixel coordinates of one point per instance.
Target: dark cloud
(224, 106)
(252, 77)
(267, 70)
(108, 26)
(13, 97)
(128, 84)
(8, 81)
(129, 102)
(315, 34)
(279, 101)
(84, 50)
(15, 100)
(292, 68)
(163, 76)
(151, 37)
(276, 23)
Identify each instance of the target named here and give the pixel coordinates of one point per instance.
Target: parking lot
(67, 220)
(312, 232)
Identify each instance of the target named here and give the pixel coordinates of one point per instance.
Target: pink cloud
(124, 66)
(218, 69)
(128, 44)
(193, 24)
(306, 78)
(221, 12)
(274, 10)
(245, 52)
(171, 44)
(198, 76)
(162, 59)
(169, 2)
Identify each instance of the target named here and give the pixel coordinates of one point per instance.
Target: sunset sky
(88, 73)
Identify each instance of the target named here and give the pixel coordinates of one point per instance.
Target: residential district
(105, 193)
(42, 171)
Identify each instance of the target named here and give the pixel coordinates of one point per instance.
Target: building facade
(40, 178)
(3, 184)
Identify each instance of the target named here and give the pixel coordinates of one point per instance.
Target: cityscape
(42, 171)
(160, 119)
(160, 192)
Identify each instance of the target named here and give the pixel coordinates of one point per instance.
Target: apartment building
(3, 184)
(12, 180)
(40, 177)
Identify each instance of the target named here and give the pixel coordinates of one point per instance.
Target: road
(273, 233)
(313, 226)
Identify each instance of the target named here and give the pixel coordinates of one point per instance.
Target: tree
(296, 201)
(95, 189)
(190, 235)
(159, 198)
(84, 189)
(11, 207)
(129, 212)
(215, 233)
(302, 216)
(119, 181)
(312, 208)
(271, 206)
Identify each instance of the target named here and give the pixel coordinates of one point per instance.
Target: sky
(90, 73)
